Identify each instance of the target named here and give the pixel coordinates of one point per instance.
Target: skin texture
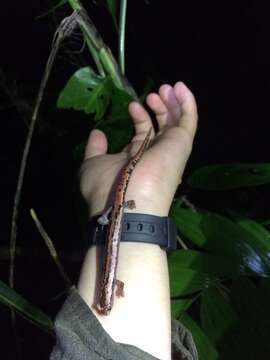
(142, 317)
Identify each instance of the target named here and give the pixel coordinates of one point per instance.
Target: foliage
(11, 298)
(93, 94)
(230, 176)
(225, 272)
(86, 91)
(112, 6)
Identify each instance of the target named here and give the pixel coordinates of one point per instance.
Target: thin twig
(51, 248)
(188, 203)
(65, 29)
(181, 242)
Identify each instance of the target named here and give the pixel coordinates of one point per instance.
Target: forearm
(142, 317)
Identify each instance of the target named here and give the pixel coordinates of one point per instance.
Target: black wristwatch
(139, 228)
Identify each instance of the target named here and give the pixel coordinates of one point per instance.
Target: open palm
(159, 172)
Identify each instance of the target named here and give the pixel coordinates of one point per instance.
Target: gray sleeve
(80, 336)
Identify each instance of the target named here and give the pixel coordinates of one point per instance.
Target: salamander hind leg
(120, 288)
(102, 310)
(130, 204)
(103, 219)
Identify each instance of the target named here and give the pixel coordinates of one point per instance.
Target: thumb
(97, 144)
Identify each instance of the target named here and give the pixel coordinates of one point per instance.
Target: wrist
(149, 199)
(141, 208)
(137, 228)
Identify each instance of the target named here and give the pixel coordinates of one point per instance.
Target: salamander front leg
(120, 288)
(130, 204)
(103, 219)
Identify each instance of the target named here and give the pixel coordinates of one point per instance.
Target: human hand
(159, 172)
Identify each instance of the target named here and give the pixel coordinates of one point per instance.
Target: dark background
(219, 49)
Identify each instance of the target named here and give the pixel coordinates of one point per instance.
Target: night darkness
(219, 49)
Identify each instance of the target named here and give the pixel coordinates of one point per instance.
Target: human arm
(142, 317)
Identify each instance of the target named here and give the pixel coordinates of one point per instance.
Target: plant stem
(181, 242)
(51, 248)
(65, 29)
(105, 55)
(99, 50)
(77, 6)
(95, 57)
(122, 35)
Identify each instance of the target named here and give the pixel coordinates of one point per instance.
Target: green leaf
(230, 176)
(219, 235)
(189, 224)
(250, 305)
(214, 265)
(88, 92)
(238, 323)
(205, 348)
(112, 6)
(218, 318)
(11, 298)
(178, 307)
(259, 232)
(185, 281)
(117, 123)
(253, 310)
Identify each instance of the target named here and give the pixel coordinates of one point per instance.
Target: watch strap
(142, 228)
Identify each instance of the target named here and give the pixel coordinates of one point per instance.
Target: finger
(141, 120)
(168, 97)
(96, 145)
(189, 116)
(155, 103)
(165, 105)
